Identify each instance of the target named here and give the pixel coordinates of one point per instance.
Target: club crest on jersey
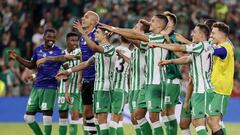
(44, 55)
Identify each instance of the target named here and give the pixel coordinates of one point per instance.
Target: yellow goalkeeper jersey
(223, 70)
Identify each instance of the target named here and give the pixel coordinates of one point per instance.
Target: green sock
(224, 131)
(47, 129)
(85, 132)
(35, 128)
(73, 129)
(113, 128)
(201, 130)
(63, 122)
(145, 126)
(62, 129)
(103, 129)
(112, 131)
(98, 129)
(157, 127)
(104, 132)
(120, 130)
(171, 127)
(137, 130)
(158, 131)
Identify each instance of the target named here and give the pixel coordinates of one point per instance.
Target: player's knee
(164, 113)
(153, 117)
(63, 114)
(139, 116)
(75, 115)
(170, 111)
(211, 121)
(184, 126)
(102, 118)
(185, 123)
(29, 118)
(88, 112)
(198, 122)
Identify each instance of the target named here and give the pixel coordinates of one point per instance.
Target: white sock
(103, 126)
(113, 124)
(63, 122)
(47, 120)
(156, 124)
(186, 132)
(221, 124)
(142, 121)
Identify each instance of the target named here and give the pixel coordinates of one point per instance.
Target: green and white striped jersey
(137, 69)
(121, 70)
(73, 78)
(104, 65)
(155, 74)
(202, 62)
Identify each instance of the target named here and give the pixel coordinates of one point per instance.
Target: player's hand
(118, 51)
(80, 86)
(145, 22)
(29, 78)
(62, 75)
(71, 57)
(41, 61)
(164, 62)
(165, 35)
(12, 54)
(68, 98)
(152, 45)
(77, 24)
(185, 106)
(106, 27)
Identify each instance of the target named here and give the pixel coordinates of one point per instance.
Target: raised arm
(61, 58)
(182, 39)
(128, 33)
(171, 47)
(91, 44)
(181, 60)
(29, 64)
(81, 66)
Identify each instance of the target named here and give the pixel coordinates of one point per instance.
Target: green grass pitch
(22, 129)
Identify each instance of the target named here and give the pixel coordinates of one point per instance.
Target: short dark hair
(204, 28)
(145, 28)
(209, 23)
(52, 30)
(71, 34)
(163, 18)
(171, 16)
(222, 27)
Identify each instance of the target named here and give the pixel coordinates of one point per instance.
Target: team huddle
(98, 78)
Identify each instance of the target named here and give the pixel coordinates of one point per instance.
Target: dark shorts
(87, 92)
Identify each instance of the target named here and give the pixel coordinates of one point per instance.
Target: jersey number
(120, 65)
(210, 62)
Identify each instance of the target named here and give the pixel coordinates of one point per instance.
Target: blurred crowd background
(22, 23)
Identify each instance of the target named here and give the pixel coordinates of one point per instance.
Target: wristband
(69, 70)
